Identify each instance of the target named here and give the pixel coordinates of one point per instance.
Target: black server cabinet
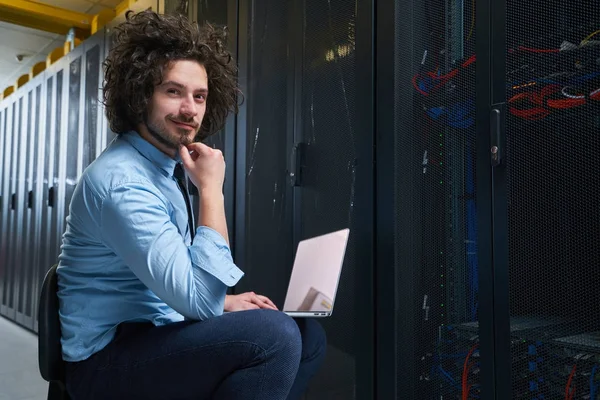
(223, 14)
(549, 85)
(434, 286)
(304, 164)
(494, 241)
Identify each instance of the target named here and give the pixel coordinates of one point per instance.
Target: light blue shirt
(127, 253)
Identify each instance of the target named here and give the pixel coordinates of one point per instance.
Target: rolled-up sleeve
(193, 280)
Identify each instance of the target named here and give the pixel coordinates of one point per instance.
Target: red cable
(569, 396)
(538, 50)
(564, 104)
(595, 95)
(442, 78)
(469, 61)
(537, 98)
(466, 367)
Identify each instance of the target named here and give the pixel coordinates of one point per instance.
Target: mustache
(184, 120)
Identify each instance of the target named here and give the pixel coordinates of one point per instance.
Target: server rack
(304, 163)
(518, 218)
(552, 224)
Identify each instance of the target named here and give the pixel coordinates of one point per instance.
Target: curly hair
(143, 47)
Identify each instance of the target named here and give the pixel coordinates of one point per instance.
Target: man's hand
(206, 168)
(205, 165)
(247, 301)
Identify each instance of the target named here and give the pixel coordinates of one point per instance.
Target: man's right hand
(205, 166)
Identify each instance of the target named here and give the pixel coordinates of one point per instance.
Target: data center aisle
(20, 378)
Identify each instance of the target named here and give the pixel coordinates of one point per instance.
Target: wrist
(211, 193)
(226, 303)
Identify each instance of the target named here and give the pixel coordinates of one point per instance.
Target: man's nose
(188, 107)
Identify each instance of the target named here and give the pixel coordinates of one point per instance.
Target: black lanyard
(179, 175)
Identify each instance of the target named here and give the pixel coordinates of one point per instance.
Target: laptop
(315, 275)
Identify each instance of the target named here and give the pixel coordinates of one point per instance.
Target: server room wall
(48, 135)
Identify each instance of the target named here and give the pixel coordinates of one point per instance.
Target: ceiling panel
(15, 42)
(81, 6)
(25, 29)
(35, 44)
(109, 3)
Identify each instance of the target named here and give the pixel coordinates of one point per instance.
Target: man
(143, 305)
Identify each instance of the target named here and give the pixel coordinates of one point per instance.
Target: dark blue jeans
(257, 354)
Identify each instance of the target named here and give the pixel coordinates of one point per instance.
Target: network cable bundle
(540, 82)
(545, 82)
(544, 364)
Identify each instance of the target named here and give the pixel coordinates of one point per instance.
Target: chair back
(51, 364)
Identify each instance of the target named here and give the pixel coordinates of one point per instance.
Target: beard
(159, 131)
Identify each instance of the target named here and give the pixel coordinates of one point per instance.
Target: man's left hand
(248, 301)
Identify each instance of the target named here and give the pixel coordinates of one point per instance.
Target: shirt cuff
(210, 252)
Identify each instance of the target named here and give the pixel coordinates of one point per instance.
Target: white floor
(20, 378)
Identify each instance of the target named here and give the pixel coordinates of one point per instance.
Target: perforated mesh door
(329, 179)
(215, 12)
(268, 224)
(553, 131)
(436, 210)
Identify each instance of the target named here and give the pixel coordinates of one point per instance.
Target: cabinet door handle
(495, 125)
(51, 197)
(297, 161)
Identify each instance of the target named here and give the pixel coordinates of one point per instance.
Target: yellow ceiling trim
(45, 17)
(37, 69)
(23, 79)
(8, 91)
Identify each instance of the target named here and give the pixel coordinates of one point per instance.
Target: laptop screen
(316, 272)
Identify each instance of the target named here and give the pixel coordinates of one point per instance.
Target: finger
(185, 156)
(199, 148)
(263, 304)
(250, 306)
(259, 302)
(268, 301)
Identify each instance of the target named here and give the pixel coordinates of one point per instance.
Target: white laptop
(315, 275)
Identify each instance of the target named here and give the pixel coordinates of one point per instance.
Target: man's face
(178, 104)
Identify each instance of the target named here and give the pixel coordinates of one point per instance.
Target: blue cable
(471, 222)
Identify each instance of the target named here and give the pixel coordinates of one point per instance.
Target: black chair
(52, 366)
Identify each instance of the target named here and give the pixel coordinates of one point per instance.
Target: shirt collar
(150, 152)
